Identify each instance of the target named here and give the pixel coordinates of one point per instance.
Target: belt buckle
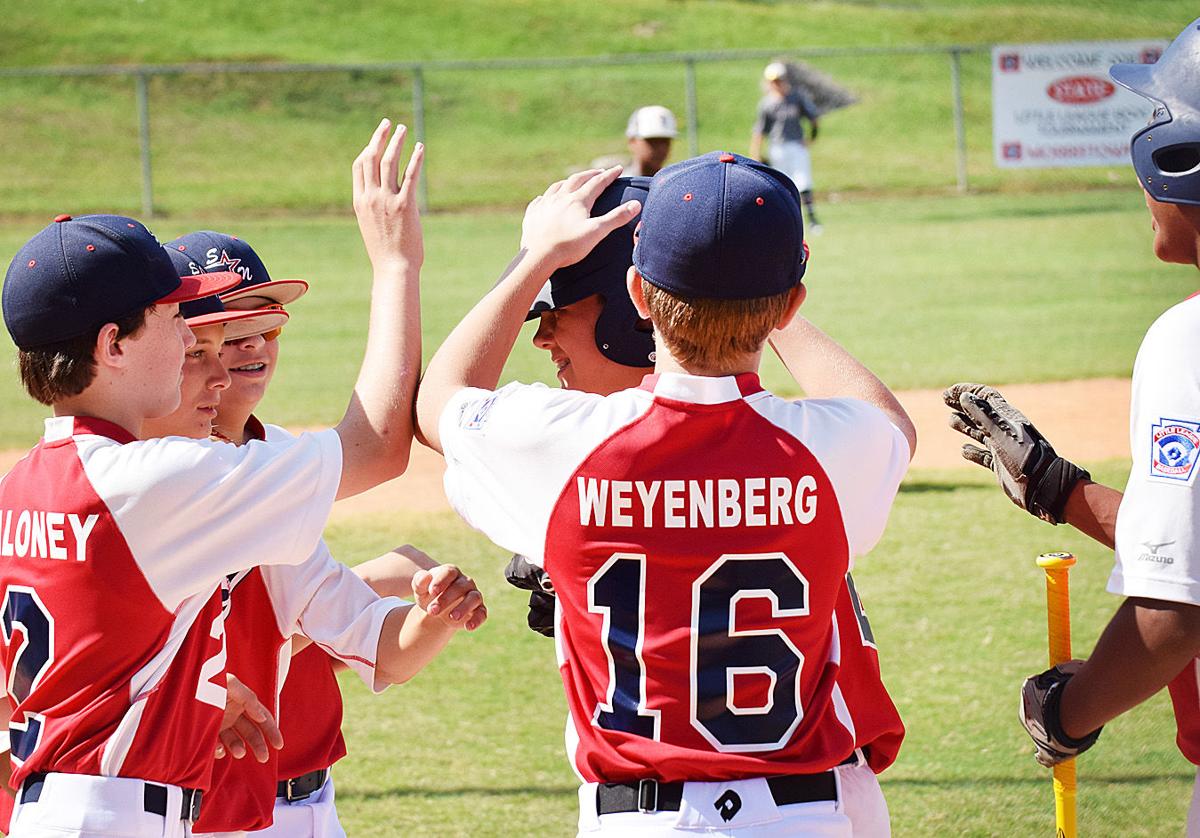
(647, 796)
(292, 796)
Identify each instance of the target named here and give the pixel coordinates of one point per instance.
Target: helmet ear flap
(618, 336)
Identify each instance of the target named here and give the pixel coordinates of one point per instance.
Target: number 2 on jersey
(23, 610)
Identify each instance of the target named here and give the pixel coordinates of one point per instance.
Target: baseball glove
(1040, 697)
(1033, 476)
(523, 574)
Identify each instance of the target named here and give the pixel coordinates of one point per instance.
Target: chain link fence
(215, 138)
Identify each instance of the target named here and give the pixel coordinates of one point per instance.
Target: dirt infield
(1087, 420)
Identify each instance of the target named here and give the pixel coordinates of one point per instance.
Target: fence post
(693, 117)
(143, 106)
(418, 95)
(960, 131)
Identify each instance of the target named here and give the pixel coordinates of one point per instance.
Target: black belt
(302, 787)
(154, 799)
(653, 796)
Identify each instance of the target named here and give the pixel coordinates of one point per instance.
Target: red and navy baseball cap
(721, 226)
(79, 273)
(223, 252)
(210, 311)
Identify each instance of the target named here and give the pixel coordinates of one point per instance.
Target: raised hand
(558, 224)
(386, 206)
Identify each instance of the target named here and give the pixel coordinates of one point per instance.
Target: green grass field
(1037, 276)
(474, 745)
(237, 142)
(926, 290)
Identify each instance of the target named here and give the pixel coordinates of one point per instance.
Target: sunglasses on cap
(274, 333)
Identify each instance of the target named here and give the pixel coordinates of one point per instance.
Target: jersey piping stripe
(329, 650)
(145, 682)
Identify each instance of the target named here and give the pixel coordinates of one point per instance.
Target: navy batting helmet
(1166, 153)
(620, 335)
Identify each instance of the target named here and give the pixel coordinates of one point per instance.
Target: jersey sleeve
(192, 511)
(762, 121)
(509, 452)
(1157, 541)
(328, 603)
(862, 452)
(807, 109)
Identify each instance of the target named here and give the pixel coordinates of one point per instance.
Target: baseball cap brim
(194, 287)
(282, 291)
(241, 324)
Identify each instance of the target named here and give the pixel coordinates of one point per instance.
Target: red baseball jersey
(1185, 700)
(114, 557)
(320, 599)
(310, 710)
(878, 729)
(698, 532)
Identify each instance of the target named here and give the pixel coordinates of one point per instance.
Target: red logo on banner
(1080, 90)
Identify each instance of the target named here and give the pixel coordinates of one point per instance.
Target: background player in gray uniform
(1155, 634)
(782, 113)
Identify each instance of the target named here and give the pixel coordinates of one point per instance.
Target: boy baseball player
(114, 551)
(1154, 638)
(260, 796)
(599, 344)
(384, 640)
(736, 514)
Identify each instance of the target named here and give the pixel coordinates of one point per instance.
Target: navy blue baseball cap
(721, 226)
(210, 311)
(79, 273)
(223, 252)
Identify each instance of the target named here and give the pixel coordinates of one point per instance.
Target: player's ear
(633, 282)
(795, 300)
(108, 351)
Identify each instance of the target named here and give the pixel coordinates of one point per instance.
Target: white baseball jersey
(114, 555)
(698, 532)
(320, 599)
(1158, 524)
(323, 600)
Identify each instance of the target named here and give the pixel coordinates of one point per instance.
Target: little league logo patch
(475, 420)
(1174, 449)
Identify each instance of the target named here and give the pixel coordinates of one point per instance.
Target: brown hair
(66, 368)
(707, 333)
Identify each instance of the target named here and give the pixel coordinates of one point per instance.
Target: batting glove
(1040, 697)
(1033, 476)
(523, 574)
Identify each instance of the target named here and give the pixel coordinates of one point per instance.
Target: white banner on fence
(1054, 104)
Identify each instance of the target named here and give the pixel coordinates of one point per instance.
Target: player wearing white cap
(696, 626)
(782, 113)
(114, 563)
(649, 133)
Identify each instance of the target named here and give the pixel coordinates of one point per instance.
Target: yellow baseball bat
(1058, 632)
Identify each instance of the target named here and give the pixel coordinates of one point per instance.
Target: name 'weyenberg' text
(742, 502)
(42, 535)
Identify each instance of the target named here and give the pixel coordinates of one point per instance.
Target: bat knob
(1056, 561)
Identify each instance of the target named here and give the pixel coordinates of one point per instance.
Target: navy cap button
(726, 158)
(59, 219)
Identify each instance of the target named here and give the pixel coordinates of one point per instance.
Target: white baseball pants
(81, 806)
(859, 812)
(794, 161)
(314, 817)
